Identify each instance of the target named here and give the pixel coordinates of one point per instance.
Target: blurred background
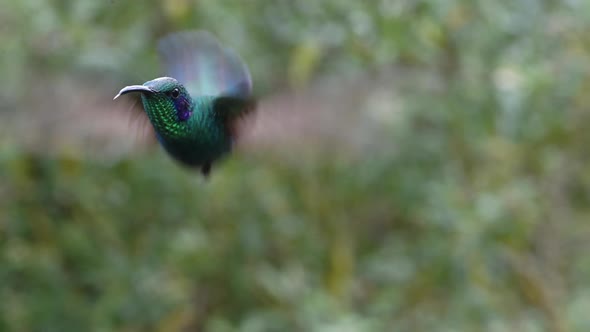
(416, 165)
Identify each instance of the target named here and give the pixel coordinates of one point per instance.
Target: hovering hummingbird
(196, 110)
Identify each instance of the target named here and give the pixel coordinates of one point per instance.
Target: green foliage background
(470, 213)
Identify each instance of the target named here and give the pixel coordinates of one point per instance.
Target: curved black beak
(134, 88)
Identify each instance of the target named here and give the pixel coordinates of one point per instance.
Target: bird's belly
(196, 153)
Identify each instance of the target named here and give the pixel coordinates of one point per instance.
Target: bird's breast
(205, 144)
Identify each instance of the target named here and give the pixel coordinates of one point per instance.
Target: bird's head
(165, 100)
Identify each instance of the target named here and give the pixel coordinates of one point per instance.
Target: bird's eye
(175, 93)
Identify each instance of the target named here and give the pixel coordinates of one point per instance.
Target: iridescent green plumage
(194, 114)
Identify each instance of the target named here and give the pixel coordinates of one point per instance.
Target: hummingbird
(196, 110)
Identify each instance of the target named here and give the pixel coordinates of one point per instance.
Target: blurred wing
(234, 111)
(139, 123)
(198, 61)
